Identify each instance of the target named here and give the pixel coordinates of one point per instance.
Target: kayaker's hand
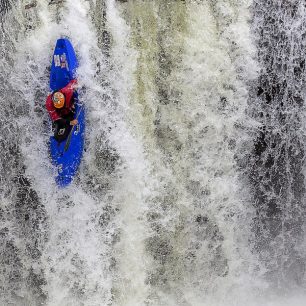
(74, 122)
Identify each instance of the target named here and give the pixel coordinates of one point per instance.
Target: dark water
(277, 173)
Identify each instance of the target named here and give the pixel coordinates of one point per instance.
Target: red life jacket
(58, 113)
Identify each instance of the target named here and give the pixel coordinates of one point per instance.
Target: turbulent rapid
(191, 190)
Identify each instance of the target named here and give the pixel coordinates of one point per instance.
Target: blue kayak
(66, 155)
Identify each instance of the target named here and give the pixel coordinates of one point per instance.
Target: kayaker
(60, 106)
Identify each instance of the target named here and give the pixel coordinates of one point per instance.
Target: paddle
(67, 144)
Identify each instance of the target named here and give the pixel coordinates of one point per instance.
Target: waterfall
(191, 188)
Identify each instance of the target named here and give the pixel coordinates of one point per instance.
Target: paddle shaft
(67, 144)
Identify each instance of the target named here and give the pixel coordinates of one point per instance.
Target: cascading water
(191, 189)
(277, 168)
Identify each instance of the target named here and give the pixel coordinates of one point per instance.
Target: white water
(162, 210)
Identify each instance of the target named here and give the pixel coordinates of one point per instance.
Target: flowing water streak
(189, 108)
(217, 68)
(154, 89)
(277, 170)
(133, 188)
(75, 257)
(216, 90)
(23, 215)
